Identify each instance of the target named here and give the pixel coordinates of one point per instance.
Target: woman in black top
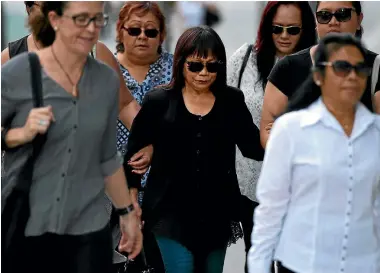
(290, 72)
(194, 124)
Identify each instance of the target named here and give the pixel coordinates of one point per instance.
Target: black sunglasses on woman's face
(344, 68)
(341, 15)
(136, 31)
(291, 30)
(212, 67)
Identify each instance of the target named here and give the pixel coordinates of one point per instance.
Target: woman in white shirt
(285, 28)
(319, 188)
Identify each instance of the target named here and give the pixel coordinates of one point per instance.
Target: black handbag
(16, 210)
(139, 265)
(148, 261)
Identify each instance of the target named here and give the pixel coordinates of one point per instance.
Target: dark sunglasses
(135, 31)
(212, 67)
(343, 68)
(341, 15)
(292, 30)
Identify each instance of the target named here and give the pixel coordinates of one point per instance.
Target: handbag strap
(244, 64)
(25, 183)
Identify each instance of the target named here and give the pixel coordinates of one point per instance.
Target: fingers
(142, 171)
(44, 111)
(140, 164)
(137, 247)
(136, 156)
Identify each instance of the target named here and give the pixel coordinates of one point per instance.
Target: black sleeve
(280, 76)
(142, 134)
(247, 135)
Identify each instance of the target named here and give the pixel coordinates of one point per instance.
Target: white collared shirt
(319, 195)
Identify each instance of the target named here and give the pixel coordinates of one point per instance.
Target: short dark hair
(40, 25)
(358, 9)
(265, 47)
(201, 41)
(309, 92)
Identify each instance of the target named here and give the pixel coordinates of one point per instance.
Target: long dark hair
(309, 92)
(264, 46)
(358, 9)
(201, 41)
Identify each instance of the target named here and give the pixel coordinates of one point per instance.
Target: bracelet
(125, 211)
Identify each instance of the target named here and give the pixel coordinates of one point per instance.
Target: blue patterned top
(159, 73)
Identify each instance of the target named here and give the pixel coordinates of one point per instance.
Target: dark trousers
(247, 209)
(90, 253)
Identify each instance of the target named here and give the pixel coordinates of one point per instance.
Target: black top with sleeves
(192, 186)
(291, 71)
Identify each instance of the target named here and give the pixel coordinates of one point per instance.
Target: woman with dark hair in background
(192, 194)
(290, 72)
(319, 188)
(285, 27)
(67, 230)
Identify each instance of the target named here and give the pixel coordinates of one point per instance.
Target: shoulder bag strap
(27, 174)
(244, 64)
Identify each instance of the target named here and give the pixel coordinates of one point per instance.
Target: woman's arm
(4, 56)
(376, 97)
(128, 106)
(246, 132)
(142, 134)
(275, 103)
(273, 193)
(128, 109)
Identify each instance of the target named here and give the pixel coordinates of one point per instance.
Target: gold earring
(318, 83)
(55, 28)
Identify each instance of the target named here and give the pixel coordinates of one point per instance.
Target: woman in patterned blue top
(144, 64)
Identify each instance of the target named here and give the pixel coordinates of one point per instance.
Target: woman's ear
(317, 77)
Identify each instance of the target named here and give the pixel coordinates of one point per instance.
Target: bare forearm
(117, 189)
(377, 102)
(15, 137)
(128, 113)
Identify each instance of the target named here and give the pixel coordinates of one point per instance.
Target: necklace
(34, 41)
(74, 92)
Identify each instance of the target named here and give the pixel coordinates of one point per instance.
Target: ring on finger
(42, 122)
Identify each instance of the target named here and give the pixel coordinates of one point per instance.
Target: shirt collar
(317, 112)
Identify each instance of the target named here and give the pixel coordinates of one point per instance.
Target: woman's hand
(269, 127)
(38, 122)
(131, 236)
(140, 161)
